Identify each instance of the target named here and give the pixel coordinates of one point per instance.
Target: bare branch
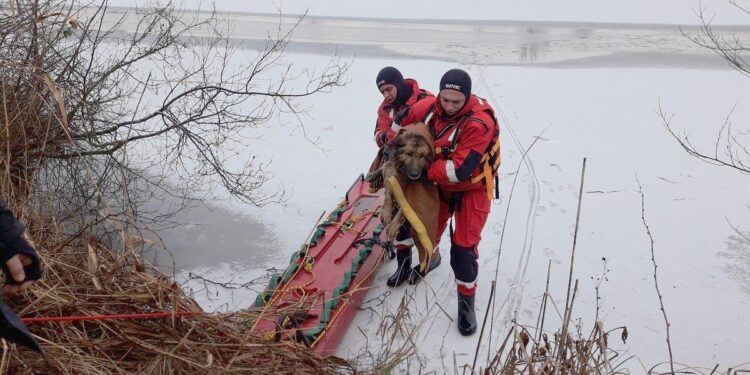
(656, 280)
(731, 157)
(198, 103)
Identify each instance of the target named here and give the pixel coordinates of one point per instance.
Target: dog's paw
(373, 189)
(376, 181)
(373, 175)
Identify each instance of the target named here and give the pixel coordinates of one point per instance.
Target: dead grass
(84, 278)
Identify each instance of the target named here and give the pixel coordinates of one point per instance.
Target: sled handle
(359, 179)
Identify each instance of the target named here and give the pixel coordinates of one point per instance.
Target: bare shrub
(123, 106)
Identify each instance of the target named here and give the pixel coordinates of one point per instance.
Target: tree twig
(656, 280)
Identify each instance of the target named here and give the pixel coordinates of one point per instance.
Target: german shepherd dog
(412, 152)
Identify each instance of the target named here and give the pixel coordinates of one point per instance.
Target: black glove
(401, 115)
(13, 243)
(383, 138)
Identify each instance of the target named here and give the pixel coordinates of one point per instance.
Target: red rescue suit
(463, 142)
(391, 117)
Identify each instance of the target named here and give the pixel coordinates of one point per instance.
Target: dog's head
(412, 154)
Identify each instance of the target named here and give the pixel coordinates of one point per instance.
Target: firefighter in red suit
(404, 103)
(467, 156)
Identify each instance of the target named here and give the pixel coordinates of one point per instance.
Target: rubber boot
(467, 319)
(417, 275)
(403, 270)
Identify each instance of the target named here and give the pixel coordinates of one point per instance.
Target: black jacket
(12, 243)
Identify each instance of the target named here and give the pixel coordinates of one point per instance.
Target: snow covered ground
(604, 110)
(606, 115)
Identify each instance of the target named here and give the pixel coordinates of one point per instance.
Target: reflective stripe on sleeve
(450, 170)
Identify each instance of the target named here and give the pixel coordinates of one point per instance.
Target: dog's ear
(398, 142)
(430, 157)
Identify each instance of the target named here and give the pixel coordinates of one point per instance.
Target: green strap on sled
(264, 296)
(333, 218)
(331, 304)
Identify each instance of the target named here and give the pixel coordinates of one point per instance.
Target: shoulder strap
(428, 114)
(459, 124)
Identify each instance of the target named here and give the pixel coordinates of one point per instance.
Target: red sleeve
(474, 137)
(383, 125)
(418, 110)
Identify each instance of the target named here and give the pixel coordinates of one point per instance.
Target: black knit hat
(390, 75)
(456, 79)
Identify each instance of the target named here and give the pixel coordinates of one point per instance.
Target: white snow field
(593, 90)
(606, 115)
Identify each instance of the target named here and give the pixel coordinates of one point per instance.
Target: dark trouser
(404, 240)
(470, 210)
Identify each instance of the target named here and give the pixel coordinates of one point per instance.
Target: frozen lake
(595, 88)
(471, 42)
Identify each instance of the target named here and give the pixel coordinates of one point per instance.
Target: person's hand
(15, 265)
(401, 115)
(383, 138)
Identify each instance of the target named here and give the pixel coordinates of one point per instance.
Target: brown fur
(413, 152)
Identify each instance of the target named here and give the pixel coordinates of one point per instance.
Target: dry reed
(85, 278)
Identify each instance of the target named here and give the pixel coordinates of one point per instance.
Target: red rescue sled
(314, 300)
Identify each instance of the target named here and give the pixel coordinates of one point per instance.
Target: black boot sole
(394, 283)
(465, 332)
(401, 275)
(417, 275)
(467, 319)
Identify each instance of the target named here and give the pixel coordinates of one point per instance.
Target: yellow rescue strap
(487, 169)
(416, 223)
